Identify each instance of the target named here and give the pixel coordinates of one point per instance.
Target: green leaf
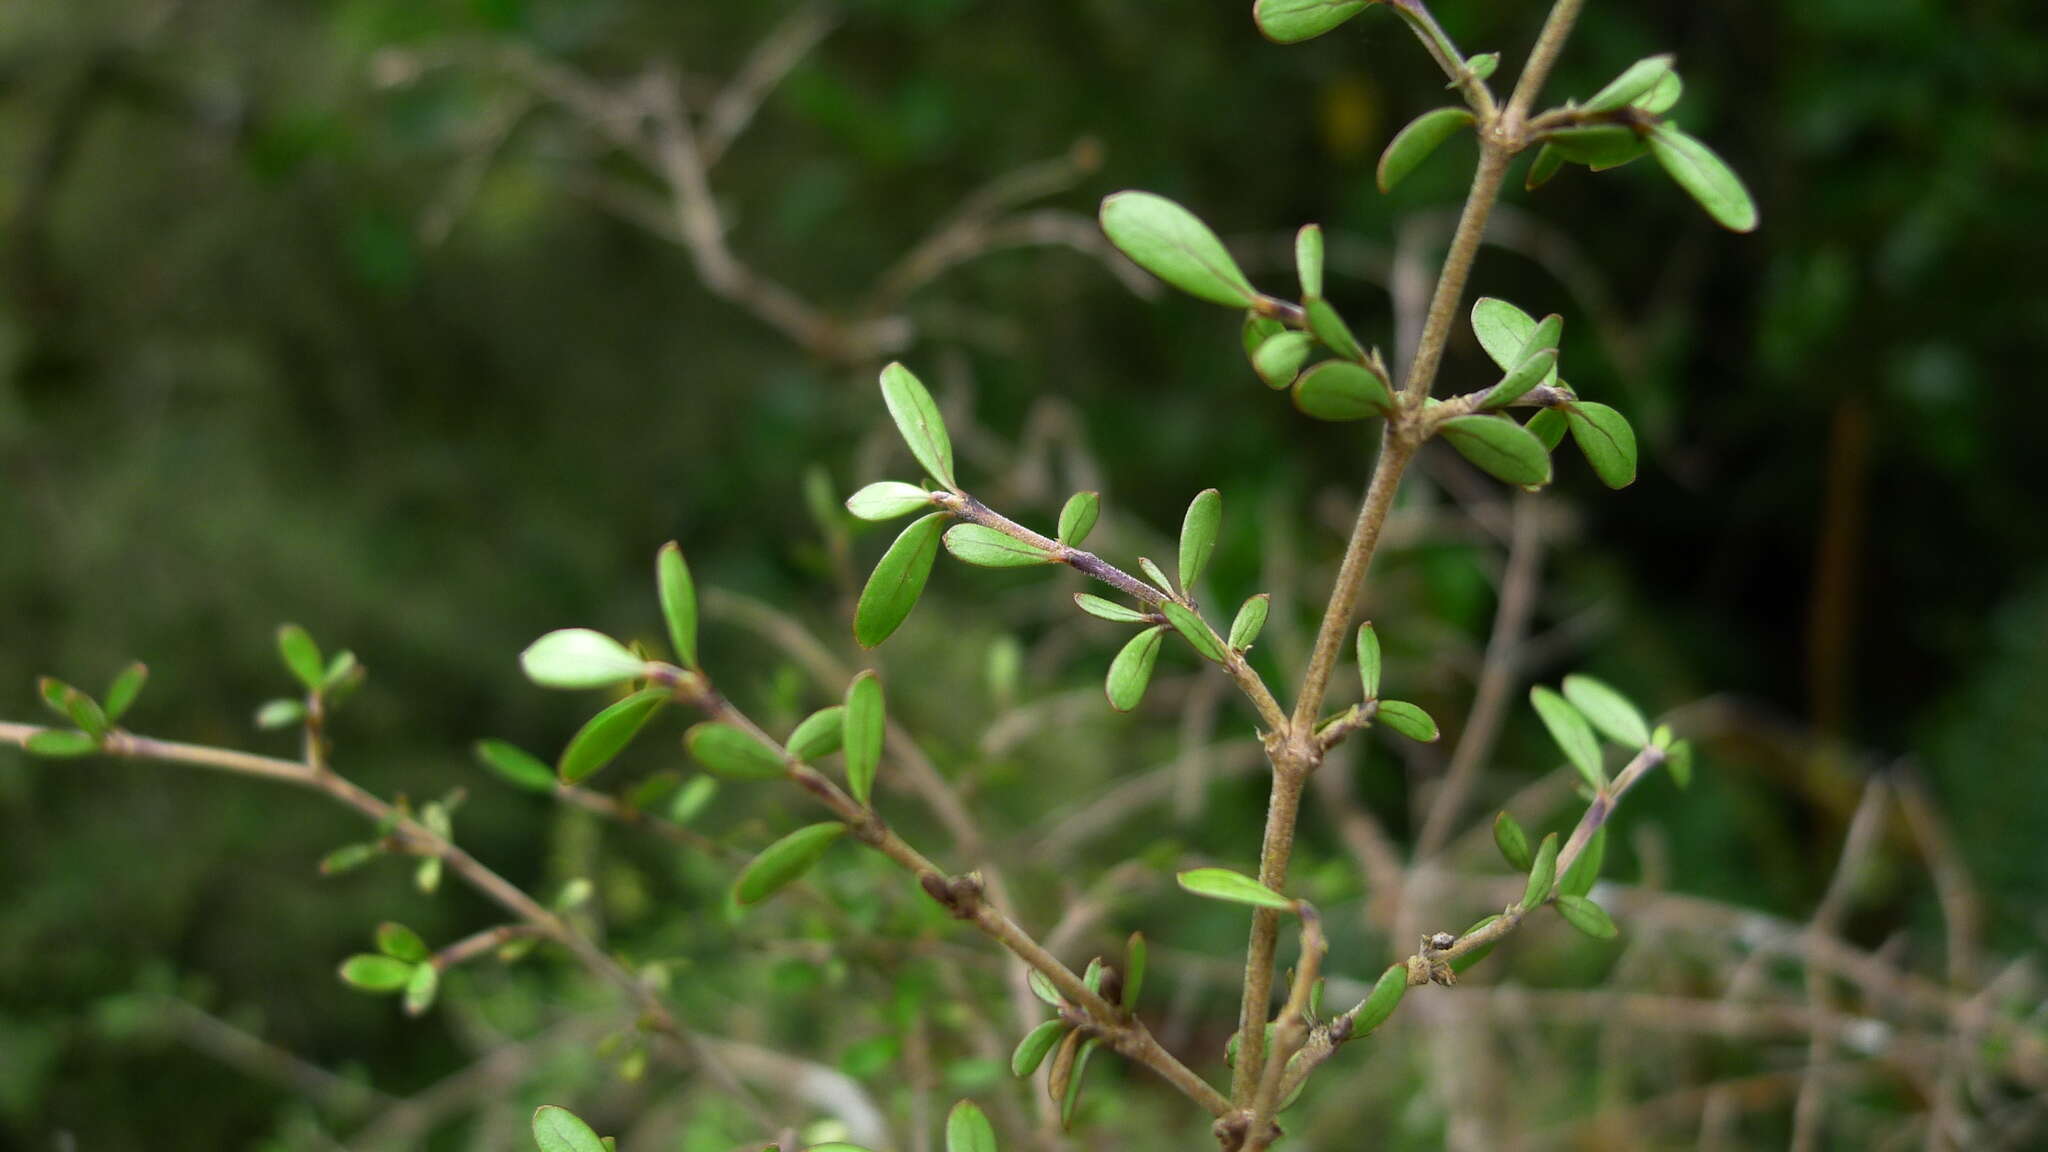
(1516, 384)
(866, 724)
(347, 858)
(126, 687)
(1546, 164)
(691, 798)
(1131, 671)
(898, 581)
(818, 735)
(1341, 390)
(968, 1130)
(1413, 144)
(1678, 758)
(559, 1130)
(606, 734)
(1102, 609)
(398, 941)
(59, 744)
(888, 499)
(1135, 953)
(515, 766)
(678, 601)
(1188, 624)
(1541, 873)
(980, 545)
(280, 713)
(1042, 987)
(918, 420)
(1408, 720)
(1512, 842)
(1705, 177)
(1547, 334)
(1330, 328)
(1503, 330)
(1078, 517)
(1251, 618)
(1659, 99)
(1223, 884)
(1292, 21)
(1071, 1099)
(725, 750)
(1548, 427)
(1481, 66)
(367, 972)
(1369, 661)
(1308, 260)
(1587, 917)
(1257, 330)
(580, 658)
(1198, 531)
(1168, 241)
(1280, 358)
(1585, 871)
(1091, 979)
(421, 988)
(1607, 710)
(1597, 146)
(1634, 83)
(1499, 447)
(74, 706)
(343, 673)
(1152, 573)
(1606, 439)
(301, 655)
(1574, 737)
(1380, 1003)
(785, 861)
(1032, 1049)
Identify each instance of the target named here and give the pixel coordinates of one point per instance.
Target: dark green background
(239, 384)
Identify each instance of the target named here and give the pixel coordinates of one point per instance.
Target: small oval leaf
(606, 734)
(725, 750)
(1108, 609)
(1168, 241)
(1308, 260)
(1408, 719)
(1380, 1003)
(1250, 620)
(1587, 917)
(1078, 517)
(866, 725)
(985, 547)
(1413, 144)
(1573, 735)
(369, 972)
(1292, 21)
(60, 744)
(1705, 176)
(1548, 427)
(1499, 447)
(819, 735)
(1280, 358)
(560, 1130)
(1605, 438)
(785, 861)
(1585, 871)
(1031, 1051)
(898, 580)
(1540, 366)
(678, 601)
(1608, 711)
(918, 421)
(1195, 630)
(421, 989)
(576, 658)
(1635, 82)
(126, 687)
(1131, 671)
(515, 765)
(1198, 531)
(1223, 884)
(1341, 390)
(968, 1129)
(1503, 330)
(398, 941)
(1541, 872)
(888, 499)
(1331, 329)
(1369, 660)
(1513, 842)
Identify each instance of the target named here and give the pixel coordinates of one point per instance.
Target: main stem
(1294, 751)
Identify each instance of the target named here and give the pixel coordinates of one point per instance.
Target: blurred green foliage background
(284, 338)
